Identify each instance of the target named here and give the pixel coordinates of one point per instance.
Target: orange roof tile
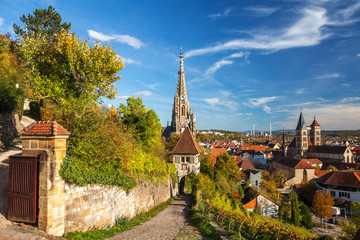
(251, 204)
(216, 152)
(313, 161)
(320, 173)
(186, 144)
(341, 178)
(246, 164)
(42, 128)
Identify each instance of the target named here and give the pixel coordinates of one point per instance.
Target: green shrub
(10, 97)
(35, 110)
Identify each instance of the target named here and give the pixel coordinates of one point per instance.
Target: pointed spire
(301, 123)
(181, 61)
(283, 145)
(315, 123)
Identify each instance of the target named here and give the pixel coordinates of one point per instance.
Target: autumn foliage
(322, 204)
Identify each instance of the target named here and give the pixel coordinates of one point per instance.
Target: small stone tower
(315, 133)
(186, 154)
(182, 116)
(301, 137)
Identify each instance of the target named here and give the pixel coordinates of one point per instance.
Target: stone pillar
(49, 140)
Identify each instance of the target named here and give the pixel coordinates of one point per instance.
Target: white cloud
(122, 97)
(152, 86)
(212, 101)
(1, 21)
(327, 75)
(349, 11)
(267, 109)
(350, 99)
(300, 91)
(331, 116)
(130, 61)
(358, 55)
(231, 105)
(346, 84)
(216, 66)
(261, 101)
(237, 55)
(307, 31)
(144, 93)
(225, 13)
(126, 39)
(261, 11)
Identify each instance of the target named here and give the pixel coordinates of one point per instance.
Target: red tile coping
(44, 128)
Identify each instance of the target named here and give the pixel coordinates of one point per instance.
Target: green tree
(44, 22)
(280, 178)
(351, 226)
(11, 77)
(206, 165)
(295, 211)
(306, 220)
(145, 123)
(69, 69)
(308, 191)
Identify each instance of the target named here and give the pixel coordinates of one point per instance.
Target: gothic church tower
(315, 133)
(182, 116)
(301, 137)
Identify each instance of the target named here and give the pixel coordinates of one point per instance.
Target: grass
(121, 225)
(203, 224)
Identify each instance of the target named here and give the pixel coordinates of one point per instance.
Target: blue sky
(246, 62)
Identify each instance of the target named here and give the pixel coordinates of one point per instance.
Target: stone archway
(182, 185)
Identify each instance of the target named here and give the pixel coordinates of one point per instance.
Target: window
(317, 133)
(304, 138)
(183, 111)
(304, 132)
(182, 159)
(317, 139)
(188, 159)
(256, 183)
(183, 167)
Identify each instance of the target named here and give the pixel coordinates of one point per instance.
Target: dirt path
(166, 225)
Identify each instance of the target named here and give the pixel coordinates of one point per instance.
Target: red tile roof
(216, 152)
(246, 164)
(320, 173)
(42, 128)
(313, 161)
(315, 123)
(294, 163)
(186, 144)
(341, 178)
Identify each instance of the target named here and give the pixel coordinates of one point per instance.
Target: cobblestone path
(166, 225)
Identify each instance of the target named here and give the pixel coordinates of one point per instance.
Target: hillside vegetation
(68, 77)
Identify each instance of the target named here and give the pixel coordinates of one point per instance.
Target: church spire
(182, 115)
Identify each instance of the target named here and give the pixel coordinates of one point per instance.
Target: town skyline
(245, 63)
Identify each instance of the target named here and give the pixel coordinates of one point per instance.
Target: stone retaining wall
(9, 128)
(96, 206)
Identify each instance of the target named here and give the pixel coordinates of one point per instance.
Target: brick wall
(95, 206)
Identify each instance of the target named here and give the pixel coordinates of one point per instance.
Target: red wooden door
(22, 195)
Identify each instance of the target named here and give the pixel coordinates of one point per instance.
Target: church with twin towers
(182, 116)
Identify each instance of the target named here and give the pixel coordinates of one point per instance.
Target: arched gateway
(186, 155)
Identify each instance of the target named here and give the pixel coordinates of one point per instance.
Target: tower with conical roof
(182, 116)
(315, 133)
(301, 136)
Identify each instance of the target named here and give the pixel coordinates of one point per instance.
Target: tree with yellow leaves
(322, 204)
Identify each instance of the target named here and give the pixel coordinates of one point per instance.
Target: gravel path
(166, 225)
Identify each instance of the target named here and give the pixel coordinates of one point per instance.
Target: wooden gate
(22, 195)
